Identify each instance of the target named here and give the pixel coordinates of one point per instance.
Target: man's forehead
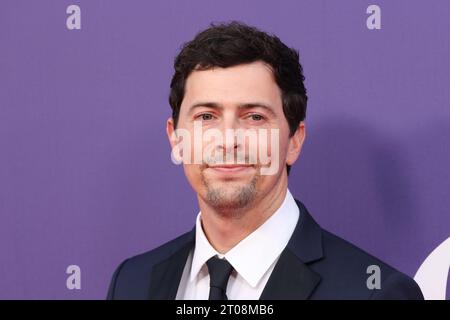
(238, 84)
(257, 70)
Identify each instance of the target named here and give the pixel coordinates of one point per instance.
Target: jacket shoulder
(355, 273)
(131, 279)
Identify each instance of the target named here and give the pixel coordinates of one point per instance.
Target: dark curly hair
(234, 43)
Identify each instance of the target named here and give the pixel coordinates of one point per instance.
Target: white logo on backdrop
(74, 279)
(433, 273)
(73, 21)
(373, 21)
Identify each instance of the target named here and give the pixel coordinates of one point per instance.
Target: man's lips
(230, 168)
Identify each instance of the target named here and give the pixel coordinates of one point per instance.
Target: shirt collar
(253, 256)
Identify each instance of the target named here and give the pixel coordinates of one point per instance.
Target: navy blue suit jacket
(314, 265)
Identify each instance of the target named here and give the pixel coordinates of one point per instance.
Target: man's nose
(230, 143)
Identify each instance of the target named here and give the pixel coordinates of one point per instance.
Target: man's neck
(225, 230)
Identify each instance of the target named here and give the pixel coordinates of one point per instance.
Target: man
(252, 239)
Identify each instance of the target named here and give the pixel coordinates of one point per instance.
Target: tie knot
(219, 272)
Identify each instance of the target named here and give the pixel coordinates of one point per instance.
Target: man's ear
(170, 130)
(296, 143)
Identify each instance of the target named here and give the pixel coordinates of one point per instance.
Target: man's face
(224, 100)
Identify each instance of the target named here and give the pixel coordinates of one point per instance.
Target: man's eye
(206, 116)
(257, 117)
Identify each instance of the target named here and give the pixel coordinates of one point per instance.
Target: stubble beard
(227, 201)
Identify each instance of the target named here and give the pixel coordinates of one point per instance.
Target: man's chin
(230, 198)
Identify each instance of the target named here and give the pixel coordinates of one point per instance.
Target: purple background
(85, 170)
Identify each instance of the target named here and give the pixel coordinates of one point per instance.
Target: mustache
(229, 159)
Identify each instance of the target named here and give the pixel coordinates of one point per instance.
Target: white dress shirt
(253, 258)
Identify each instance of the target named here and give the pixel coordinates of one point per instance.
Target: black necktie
(219, 272)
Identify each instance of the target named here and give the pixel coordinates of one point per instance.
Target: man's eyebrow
(249, 105)
(213, 105)
(252, 105)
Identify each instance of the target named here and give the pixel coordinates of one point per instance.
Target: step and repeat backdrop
(86, 177)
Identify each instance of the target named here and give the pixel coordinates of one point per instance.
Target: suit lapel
(292, 278)
(166, 275)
